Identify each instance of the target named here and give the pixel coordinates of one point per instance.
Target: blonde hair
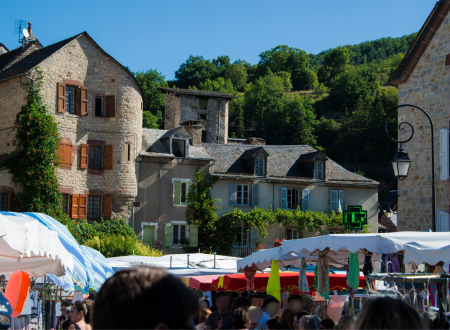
(204, 313)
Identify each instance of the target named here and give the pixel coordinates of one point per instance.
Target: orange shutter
(10, 202)
(84, 155)
(67, 155)
(110, 106)
(61, 97)
(84, 101)
(107, 207)
(82, 208)
(108, 157)
(75, 203)
(61, 155)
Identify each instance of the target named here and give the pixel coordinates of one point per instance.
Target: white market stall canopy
(418, 246)
(199, 263)
(29, 246)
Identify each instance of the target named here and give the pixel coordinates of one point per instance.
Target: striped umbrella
(102, 261)
(98, 270)
(82, 275)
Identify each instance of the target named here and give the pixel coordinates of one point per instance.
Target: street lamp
(401, 161)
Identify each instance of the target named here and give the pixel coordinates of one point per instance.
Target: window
(336, 201)
(242, 195)
(65, 203)
(179, 233)
(319, 172)
(291, 233)
(70, 99)
(443, 221)
(129, 152)
(259, 167)
(4, 202)
(444, 154)
(242, 237)
(95, 157)
(292, 199)
(204, 136)
(178, 148)
(180, 191)
(94, 207)
(99, 106)
(203, 104)
(203, 117)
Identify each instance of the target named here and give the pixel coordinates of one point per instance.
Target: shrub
(117, 245)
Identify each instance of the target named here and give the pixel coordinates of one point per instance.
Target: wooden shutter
(82, 207)
(283, 199)
(67, 155)
(233, 194)
(107, 207)
(255, 194)
(443, 221)
(61, 97)
(61, 154)
(177, 193)
(334, 200)
(193, 236)
(341, 200)
(168, 234)
(10, 202)
(75, 202)
(84, 100)
(108, 157)
(253, 236)
(110, 106)
(444, 154)
(305, 200)
(84, 152)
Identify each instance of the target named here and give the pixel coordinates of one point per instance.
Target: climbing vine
(34, 161)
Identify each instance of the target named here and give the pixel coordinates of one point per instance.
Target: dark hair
(328, 323)
(308, 322)
(301, 314)
(141, 298)
(221, 294)
(240, 319)
(387, 313)
(240, 302)
(88, 307)
(287, 319)
(345, 322)
(81, 307)
(294, 297)
(204, 300)
(273, 324)
(65, 303)
(268, 300)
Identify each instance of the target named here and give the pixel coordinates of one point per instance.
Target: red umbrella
(202, 283)
(288, 281)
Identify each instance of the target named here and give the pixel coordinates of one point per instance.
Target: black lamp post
(401, 161)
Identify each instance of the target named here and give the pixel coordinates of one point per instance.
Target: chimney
(256, 141)
(194, 129)
(30, 28)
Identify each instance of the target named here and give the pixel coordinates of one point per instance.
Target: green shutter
(168, 234)
(177, 193)
(193, 236)
(148, 235)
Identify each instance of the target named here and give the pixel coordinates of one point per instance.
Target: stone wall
(81, 61)
(428, 88)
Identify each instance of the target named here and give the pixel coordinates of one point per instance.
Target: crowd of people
(76, 316)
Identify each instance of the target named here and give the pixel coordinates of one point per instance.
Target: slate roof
(194, 92)
(282, 163)
(2, 45)
(153, 147)
(385, 223)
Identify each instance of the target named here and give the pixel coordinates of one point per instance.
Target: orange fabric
(16, 291)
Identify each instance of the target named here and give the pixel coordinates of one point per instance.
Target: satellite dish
(25, 33)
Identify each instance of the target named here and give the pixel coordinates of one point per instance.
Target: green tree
(237, 74)
(194, 71)
(151, 121)
(236, 124)
(33, 163)
(220, 85)
(334, 63)
(300, 121)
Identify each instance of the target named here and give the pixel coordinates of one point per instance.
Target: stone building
(423, 79)
(97, 104)
(187, 104)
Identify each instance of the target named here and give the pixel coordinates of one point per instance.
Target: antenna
(19, 24)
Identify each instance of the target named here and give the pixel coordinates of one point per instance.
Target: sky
(162, 34)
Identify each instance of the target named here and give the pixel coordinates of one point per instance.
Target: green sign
(355, 217)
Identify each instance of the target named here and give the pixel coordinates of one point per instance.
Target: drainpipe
(137, 187)
(218, 121)
(159, 199)
(33, 85)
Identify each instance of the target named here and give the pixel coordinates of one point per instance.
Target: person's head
(64, 305)
(308, 322)
(387, 313)
(273, 324)
(204, 313)
(144, 297)
(271, 306)
(203, 303)
(345, 322)
(295, 303)
(297, 318)
(287, 319)
(240, 319)
(87, 304)
(327, 324)
(240, 302)
(78, 311)
(222, 301)
(255, 315)
(308, 303)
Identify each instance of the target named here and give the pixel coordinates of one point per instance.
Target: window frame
(261, 166)
(318, 171)
(179, 225)
(102, 97)
(204, 136)
(290, 195)
(65, 203)
(187, 182)
(294, 232)
(2, 201)
(95, 148)
(66, 101)
(243, 234)
(200, 115)
(242, 194)
(100, 207)
(200, 100)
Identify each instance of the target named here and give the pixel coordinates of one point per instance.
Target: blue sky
(162, 34)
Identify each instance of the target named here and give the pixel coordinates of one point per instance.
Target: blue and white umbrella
(100, 275)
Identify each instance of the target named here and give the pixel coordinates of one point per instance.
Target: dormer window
(319, 170)
(260, 167)
(178, 148)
